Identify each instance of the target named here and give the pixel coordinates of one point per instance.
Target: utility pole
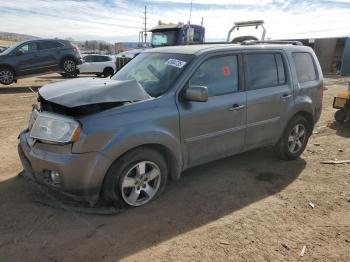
(145, 32)
(189, 20)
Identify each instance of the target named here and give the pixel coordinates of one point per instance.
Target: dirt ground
(250, 207)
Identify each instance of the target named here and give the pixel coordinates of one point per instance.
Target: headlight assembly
(55, 128)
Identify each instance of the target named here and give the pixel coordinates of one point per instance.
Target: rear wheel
(108, 72)
(69, 65)
(136, 179)
(294, 139)
(7, 76)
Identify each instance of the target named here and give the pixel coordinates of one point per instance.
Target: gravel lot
(250, 207)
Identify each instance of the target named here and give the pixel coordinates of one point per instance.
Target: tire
(127, 184)
(108, 72)
(69, 66)
(7, 76)
(73, 75)
(340, 115)
(241, 39)
(293, 135)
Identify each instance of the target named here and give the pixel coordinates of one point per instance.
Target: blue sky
(121, 20)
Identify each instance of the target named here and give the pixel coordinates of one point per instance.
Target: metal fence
(122, 61)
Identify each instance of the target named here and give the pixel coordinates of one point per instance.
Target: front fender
(130, 138)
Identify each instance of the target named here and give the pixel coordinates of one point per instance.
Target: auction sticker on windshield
(175, 63)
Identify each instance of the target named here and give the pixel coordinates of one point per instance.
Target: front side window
(219, 75)
(155, 72)
(30, 47)
(88, 58)
(305, 67)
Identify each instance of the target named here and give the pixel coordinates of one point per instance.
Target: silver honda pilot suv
(167, 110)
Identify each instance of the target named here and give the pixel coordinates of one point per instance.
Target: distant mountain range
(16, 37)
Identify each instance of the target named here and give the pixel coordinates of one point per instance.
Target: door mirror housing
(196, 93)
(18, 53)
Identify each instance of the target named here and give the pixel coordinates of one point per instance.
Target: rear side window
(264, 70)
(102, 59)
(305, 67)
(49, 45)
(219, 75)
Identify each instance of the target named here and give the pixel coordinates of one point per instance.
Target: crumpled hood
(86, 91)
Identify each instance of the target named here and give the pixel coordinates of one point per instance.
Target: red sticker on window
(226, 71)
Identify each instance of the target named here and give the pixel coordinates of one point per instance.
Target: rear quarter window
(305, 67)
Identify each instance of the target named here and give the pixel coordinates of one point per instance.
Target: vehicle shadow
(18, 89)
(342, 129)
(203, 195)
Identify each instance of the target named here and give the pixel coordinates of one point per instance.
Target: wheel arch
(173, 163)
(173, 166)
(10, 67)
(304, 113)
(108, 67)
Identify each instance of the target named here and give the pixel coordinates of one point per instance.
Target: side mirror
(196, 93)
(18, 53)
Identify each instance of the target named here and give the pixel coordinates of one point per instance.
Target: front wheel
(137, 178)
(294, 139)
(7, 76)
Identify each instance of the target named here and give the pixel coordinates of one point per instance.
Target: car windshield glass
(11, 48)
(155, 72)
(163, 38)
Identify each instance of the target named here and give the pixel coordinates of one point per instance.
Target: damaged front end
(80, 97)
(49, 148)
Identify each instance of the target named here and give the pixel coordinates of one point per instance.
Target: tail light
(76, 48)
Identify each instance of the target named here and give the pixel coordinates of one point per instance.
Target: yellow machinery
(342, 103)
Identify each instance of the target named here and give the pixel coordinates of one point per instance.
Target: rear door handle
(236, 107)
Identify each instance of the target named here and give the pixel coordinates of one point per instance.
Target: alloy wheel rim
(296, 138)
(141, 183)
(69, 66)
(6, 76)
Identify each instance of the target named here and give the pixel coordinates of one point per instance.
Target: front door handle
(236, 107)
(286, 96)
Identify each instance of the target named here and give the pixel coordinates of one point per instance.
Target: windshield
(155, 72)
(11, 48)
(164, 38)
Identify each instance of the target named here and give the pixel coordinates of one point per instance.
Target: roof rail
(254, 42)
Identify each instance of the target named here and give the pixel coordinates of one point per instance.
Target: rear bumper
(81, 175)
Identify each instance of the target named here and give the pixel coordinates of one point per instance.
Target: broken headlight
(55, 128)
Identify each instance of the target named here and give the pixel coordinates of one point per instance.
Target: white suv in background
(97, 64)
